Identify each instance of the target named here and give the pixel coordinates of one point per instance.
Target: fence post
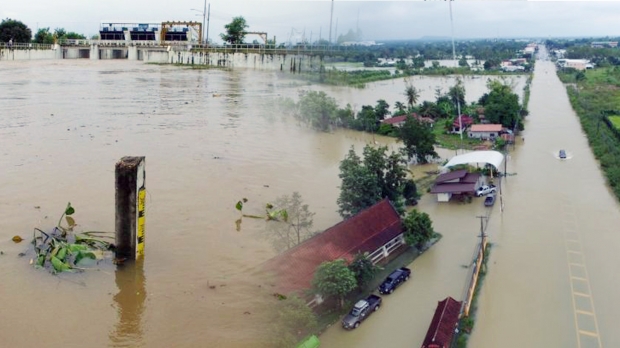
(130, 203)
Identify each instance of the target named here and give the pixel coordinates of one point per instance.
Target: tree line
(18, 32)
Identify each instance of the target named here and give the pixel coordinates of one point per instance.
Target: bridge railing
(225, 48)
(26, 46)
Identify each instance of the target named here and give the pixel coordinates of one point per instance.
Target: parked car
(489, 201)
(562, 154)
(395, 278)
(361, 310)
(485, 190)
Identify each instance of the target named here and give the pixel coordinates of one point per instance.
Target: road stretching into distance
(554, 269)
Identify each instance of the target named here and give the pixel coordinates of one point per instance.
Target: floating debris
(17, 239)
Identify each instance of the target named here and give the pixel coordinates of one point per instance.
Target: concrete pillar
(130, 205)
(94, 52)
(132, 53)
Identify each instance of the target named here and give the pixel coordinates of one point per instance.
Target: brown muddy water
(210, 138)
(554, 271)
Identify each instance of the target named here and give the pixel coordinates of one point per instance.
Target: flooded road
(209, 139)
(554, 271)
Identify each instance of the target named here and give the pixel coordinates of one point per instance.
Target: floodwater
(210, 138)
(554, 270)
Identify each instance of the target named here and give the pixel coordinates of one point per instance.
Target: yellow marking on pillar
(140, 227)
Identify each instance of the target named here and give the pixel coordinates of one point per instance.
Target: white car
(485, 190)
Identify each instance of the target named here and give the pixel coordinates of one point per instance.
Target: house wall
(483, 135)
(444, 197)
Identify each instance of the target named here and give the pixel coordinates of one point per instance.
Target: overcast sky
(378, 20)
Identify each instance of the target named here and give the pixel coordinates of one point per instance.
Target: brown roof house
(443, 325)
(485, 131)
(377, 230)
(456, 182)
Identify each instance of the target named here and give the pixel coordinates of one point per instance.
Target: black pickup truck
(361, 311)
(392, 281)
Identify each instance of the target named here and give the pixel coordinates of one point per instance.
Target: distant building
(602, 44)
(398, 121)
(579, 64)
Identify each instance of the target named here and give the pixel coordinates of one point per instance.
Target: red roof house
(367, 231)
(441, 330)
(465, 121)
(398, 121)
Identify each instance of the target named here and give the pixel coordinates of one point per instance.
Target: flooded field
(209, 140)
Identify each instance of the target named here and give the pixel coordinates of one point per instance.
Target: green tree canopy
(365, 182)
(14, 29)
(412, 95)
(334, 279)
(359, 189)
(501, 105)
(363, 269)
(419, 140)
(382, 109)
(235, 31)
(44, 36)
(418, 228)
(318, 110)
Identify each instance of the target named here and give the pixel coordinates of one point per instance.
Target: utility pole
(204, 14)
(482, 218)
(458, 99)
(208, 18)
(331, 20)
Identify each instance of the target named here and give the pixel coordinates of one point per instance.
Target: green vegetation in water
(595, 97)
(62, 250)
(453, 141)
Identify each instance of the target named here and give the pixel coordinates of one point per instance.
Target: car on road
(489, 201)
(394, 280)
(562, 154)
(485, 190)
(360, 311)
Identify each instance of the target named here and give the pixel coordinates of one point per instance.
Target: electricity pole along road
(553, 274)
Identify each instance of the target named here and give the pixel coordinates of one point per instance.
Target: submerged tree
(501, 105)
(418, 228)
(419, 140)
(318, 110)
(367, 181)
(297, 227)
(363, 269)
(334, 279)
(292, 321)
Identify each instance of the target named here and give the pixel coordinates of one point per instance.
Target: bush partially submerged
(63, 250)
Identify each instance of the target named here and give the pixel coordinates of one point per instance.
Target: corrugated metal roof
(454, 188)
(457, 174)
(444, 322)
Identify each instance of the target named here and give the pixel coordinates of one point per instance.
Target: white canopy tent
(493, 158)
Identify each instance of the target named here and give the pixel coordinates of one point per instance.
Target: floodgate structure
(175, 43)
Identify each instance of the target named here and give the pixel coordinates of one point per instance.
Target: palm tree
(412, 95)
(399, 106)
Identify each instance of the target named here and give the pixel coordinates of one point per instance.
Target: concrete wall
(261, 61)
(29, 54)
